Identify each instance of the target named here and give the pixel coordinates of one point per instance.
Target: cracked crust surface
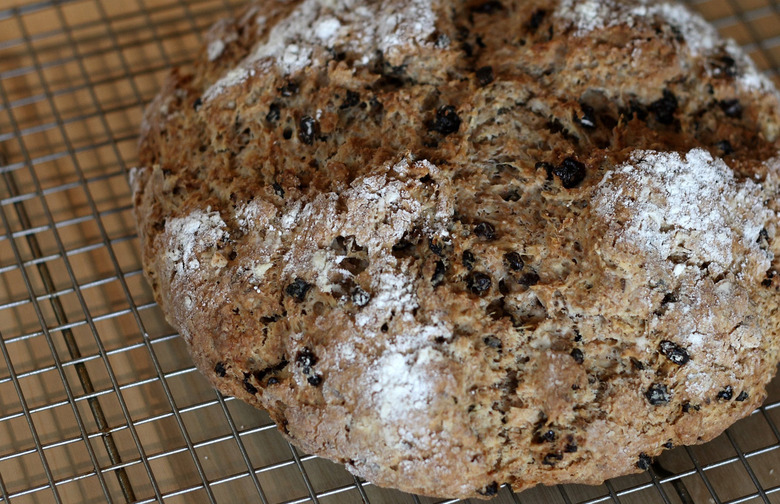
(459, 244)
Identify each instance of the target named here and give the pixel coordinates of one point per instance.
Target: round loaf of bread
(457, 244)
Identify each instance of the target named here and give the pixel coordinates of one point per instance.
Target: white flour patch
(189, 237)
(590, 15)
(327, 28)
(234, 77)
(347, 25)
(376, 212)
(695, 339)
(750, 77)
(691, 222)
(381, 210)
(402, 384)
(256, 216)
(700, 37)
(685, 206)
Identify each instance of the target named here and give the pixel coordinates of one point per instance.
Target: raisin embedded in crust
(447, 120)
(478, 282)
(658, 394)
(571, 172)
(674, 352)
(644, 462)
(514, 261)
(298, 289)
(485, 230)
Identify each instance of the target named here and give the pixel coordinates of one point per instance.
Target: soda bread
(457, 244)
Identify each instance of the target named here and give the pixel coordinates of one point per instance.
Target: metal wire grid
(98, 400)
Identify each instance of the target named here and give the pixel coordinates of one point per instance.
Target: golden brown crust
(470, 243)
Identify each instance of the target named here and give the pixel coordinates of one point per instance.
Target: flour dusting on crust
(403, 385)
(360, 28)
(590, 15)
(192, 235)
(192, 255)
(698, 229)
(684, 205)
(700, 37)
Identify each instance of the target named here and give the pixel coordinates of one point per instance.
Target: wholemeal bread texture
(458, 244)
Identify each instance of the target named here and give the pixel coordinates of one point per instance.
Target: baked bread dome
(457, 244)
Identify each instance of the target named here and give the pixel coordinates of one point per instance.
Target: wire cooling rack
(99, 401)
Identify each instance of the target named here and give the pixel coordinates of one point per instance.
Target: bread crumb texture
(457, 244)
